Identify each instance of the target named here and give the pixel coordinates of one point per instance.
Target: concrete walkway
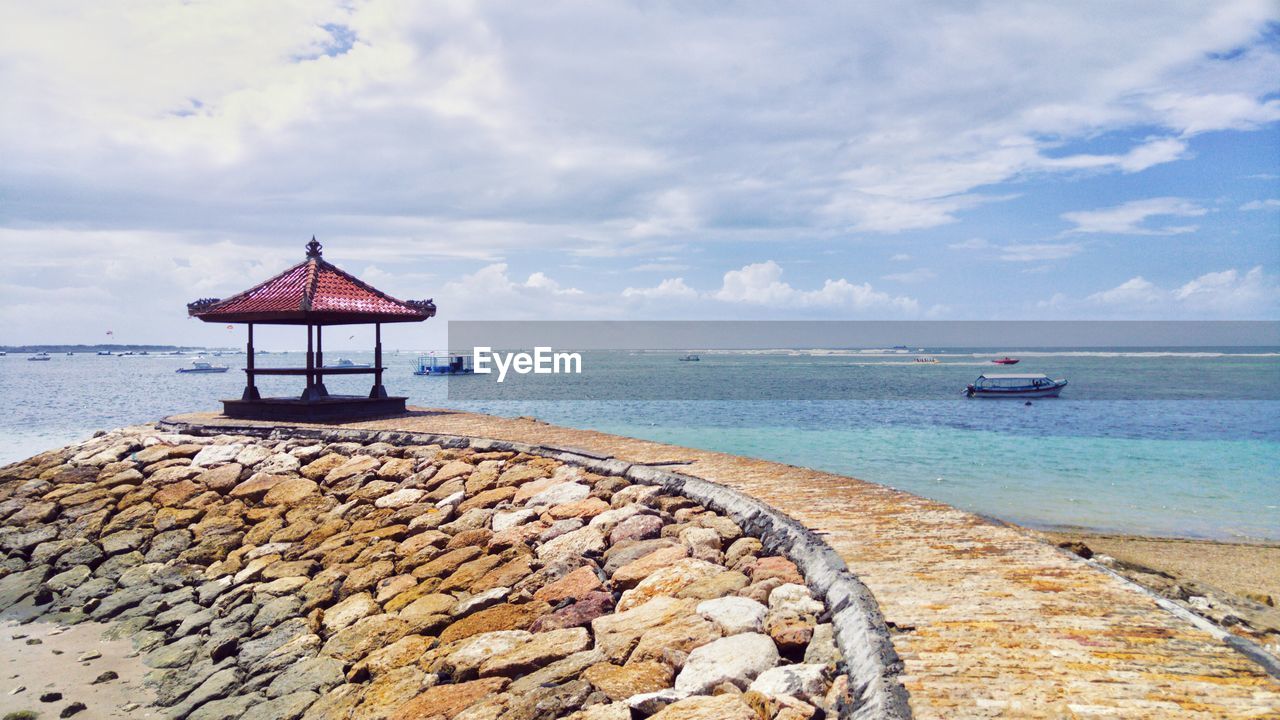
(990, 622)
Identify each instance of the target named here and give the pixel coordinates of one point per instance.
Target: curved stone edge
(1246, 647)
(871, 663)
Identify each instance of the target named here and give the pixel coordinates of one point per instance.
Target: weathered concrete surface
(991, 622)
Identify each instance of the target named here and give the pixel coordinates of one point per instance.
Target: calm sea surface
(1199, 457)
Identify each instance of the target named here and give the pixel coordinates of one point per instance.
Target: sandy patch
(1238, 568)
(62, 662)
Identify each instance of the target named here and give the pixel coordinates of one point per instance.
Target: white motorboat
(1015, 386)
(200, 366)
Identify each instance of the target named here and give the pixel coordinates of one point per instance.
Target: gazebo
(314, 293)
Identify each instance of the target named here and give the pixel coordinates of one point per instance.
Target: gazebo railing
(316, 388)
(315, 369)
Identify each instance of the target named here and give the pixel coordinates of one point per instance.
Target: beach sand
(55, 665)
(1235, 585)
(1244, 569)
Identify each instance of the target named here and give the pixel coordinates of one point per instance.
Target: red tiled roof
(313, 291)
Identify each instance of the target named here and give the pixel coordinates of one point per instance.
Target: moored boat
(444, 365)
(1006, 360)
(1015, 386)
(200, 366)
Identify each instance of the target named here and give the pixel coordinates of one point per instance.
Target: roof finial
(314, 248)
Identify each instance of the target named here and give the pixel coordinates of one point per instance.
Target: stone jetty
(986, 620)
(287, 577)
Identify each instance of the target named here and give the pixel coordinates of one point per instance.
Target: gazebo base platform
(332, 408)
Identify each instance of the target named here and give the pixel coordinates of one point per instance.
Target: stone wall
(308, 574)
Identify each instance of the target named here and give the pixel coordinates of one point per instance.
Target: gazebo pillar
(378, 391)
(311, 393)
(324, 391)
(250, 388)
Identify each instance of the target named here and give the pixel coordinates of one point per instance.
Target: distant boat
(1015, 386)
(444, 365)
(345, 363)
(899, 347)
(70, 354)
(3, 353)
(39, 357)
(200, 366)
(104, 352)
(1006, 361)
(928, 360)
(690, 358)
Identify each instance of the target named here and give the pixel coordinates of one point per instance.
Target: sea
(1153, 441)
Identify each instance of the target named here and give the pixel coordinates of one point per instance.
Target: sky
(643, 160)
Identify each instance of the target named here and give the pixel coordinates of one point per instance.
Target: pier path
(989, 621)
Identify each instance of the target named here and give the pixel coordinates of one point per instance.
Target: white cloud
(671, 213)
(540, 281)
(911, 277)
(762, 284)
(1227, 294)
(1135, 291)
(1155, 151)
(1037, 252)
(1197, 113)
(669, 288)
(1129, 218)
(491, 293)
(471, 133)
(1021, 252)
(1268, 204)
(815, 115)
(1229, 291)
(659, 267)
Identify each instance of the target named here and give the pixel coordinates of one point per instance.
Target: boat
(200, 366)
(346, 363)
(926, 359)
(1006, 360)
(104, 352)
(690, 358)
(3, 353)
(444, 365)
(70, 354)
(38, 357)
(1015, 386)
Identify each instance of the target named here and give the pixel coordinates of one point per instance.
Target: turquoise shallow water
(1187, 463)
(1190, 488)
